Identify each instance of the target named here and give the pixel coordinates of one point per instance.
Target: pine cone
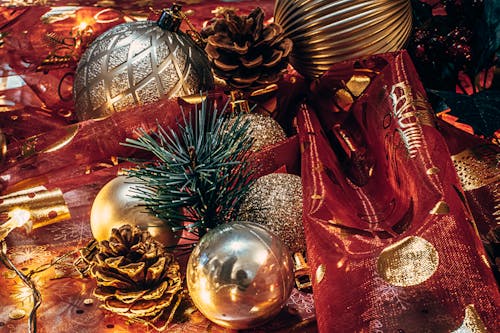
(244, 53)
(135, 276)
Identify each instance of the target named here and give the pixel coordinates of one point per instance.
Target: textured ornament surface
(240, 275)
(275, 201)
(134, 64)
(264, 130)
(325, 32)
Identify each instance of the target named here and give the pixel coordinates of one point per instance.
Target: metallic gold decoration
(17, 314)
(408, 262)
(409, 126)
(440, 208)
(357, 84)
(344, 99)
(45, 207)
(325, 32)
(88, 301)
(302, 272)
(135, 276)
(137, 63)
(240, 275)
(115, 205)
(320, 273)
(472, 322)
(3, 147)
(17, 218)
(433, 171)
(275, 201)
(71, 132)
(477, 167)
(264, 130)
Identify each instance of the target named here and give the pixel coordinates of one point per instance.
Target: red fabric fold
(359, 225)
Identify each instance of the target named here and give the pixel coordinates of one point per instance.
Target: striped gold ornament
(325, 32)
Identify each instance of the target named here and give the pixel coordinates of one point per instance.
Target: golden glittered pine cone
(135, 276)
(244, 53)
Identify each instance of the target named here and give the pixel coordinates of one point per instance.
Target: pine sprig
(200, 175)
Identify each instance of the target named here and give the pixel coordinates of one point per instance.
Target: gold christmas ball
(264, 130)
(240, 275)
(325, 32)
(275, 201)
(137, 63)
(115, 205)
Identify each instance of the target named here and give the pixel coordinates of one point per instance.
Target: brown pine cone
(135, 276)
(244, 53)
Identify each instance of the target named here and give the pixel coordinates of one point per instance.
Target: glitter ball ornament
(137, 63)
(115, 205)
(264, 130)
(240, 275)
(275, 201)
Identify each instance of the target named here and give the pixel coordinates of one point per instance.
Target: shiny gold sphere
(325, 32)
(240, 275)
(115, 206)
(137, 63)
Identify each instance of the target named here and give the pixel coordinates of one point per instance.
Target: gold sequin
(433, 171)
(344, 99)
(408, 262)
(477, 167)
(357, 84)
(472, 322)
(17, 314)
(320, 273)
(440, 208)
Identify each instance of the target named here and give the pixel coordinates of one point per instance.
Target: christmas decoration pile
(244, 52)
(135, 276)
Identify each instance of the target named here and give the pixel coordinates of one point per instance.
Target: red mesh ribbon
(391, 244)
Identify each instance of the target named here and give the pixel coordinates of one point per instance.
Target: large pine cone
(135, 276)
(244, 53)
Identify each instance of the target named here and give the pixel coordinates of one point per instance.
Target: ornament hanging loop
(171, 19)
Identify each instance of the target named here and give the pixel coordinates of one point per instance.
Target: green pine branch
(200, 175)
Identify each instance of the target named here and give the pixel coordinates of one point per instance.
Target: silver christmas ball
(325, 32)
(263, 129)
(240, 275)
(275, 201)
(137, 63)
(115, 205)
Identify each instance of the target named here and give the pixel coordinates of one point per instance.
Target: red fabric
(348, 226)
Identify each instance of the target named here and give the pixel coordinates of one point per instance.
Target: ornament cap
(171, 19)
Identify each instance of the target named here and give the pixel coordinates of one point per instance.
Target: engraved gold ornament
(325, 32)
(137, 63)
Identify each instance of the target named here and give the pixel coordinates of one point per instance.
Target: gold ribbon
(46, 207)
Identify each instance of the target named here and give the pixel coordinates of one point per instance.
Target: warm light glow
(82, 26)
(233, 293)
(204, 291)
(236, 245)
(261, 256)
(20, 216)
